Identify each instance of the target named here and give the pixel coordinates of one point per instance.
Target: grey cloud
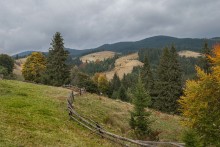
(30, 24)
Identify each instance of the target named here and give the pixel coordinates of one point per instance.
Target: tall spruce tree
(169, 83)
(175, 80)
(122, 93)
(140, 119)
(147, 76)
(205, 61)
(124, 81)
(116, 83)
(114, 86)
(57, 71)
(161, 84)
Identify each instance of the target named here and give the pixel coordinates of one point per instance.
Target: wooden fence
(78, 91)
(95, 128)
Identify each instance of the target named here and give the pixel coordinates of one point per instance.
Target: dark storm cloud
(30, 24)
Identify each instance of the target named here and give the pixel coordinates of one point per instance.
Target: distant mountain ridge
(73, 52)
(193, 44)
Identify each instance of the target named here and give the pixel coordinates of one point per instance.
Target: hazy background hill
(194, 44)
(73, 53)
(158, 42)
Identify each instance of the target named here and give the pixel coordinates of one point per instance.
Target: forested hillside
(155, 42)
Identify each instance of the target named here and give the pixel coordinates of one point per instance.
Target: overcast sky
(30, 24)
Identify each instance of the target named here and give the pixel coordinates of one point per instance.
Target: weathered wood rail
(99, 130)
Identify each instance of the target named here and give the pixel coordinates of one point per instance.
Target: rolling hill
(35, 115)
(192, 44)
(22, 54)
(72, 52)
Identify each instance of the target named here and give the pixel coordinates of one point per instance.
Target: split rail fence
(95, 128)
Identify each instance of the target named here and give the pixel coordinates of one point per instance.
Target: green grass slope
(36, 115)
(114, 115)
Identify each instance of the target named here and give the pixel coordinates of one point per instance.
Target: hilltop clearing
(188, 54)
(98, 56)
(124, 65)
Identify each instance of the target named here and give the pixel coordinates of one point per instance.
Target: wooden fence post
(70, 102)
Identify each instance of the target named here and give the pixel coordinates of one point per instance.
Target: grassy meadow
(36, 115)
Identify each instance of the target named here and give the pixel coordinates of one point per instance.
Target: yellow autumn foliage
(200, 104)
(34, 67)
(102, 82)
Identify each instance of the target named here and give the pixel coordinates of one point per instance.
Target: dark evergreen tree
(114, 86)
(169, 83)
(3, 71)
(175, 80)
(140, 118)
(129, 79)
(82, 80)
(77, 61)
(122, 94)
(98, 66)
(204, 61)
(116, 83)
(164, 65)
(114, 95)
(110, 91)
(147, 76)
(153, 55)
(124, 81)
(57, 71)
(7, 62)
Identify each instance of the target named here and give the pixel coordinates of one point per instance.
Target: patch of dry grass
(124, 65)
(18, 68)
(188, 54)
(98, 56)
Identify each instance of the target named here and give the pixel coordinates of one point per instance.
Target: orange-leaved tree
(200, 104)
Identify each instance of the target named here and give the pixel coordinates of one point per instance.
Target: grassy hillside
(35, 115)
(114, 116)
